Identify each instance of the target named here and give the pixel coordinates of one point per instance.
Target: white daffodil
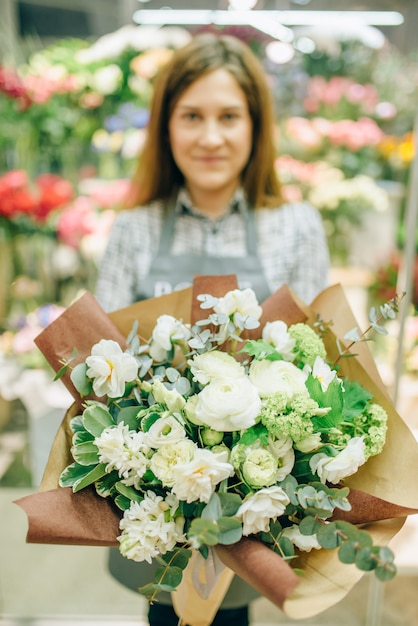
(322, 371)
(196, 480)
(110, 368)
(276, 334)
(166, 332)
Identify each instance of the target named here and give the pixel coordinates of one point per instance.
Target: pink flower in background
(107, 193)
(301, 130)
(77, 220)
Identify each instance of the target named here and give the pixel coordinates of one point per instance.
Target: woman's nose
(211, 133)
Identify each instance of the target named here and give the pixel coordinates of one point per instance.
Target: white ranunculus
(196, 480)
(146, 532)
(167, 330)
(110, 368)
(259, 468)
(165, 430)
(271, 377)
(228, 405)
(334, 469)
(214, 364)
(241, 301)
(168, 456)
(306, 543)
(170, 397)
(258, 509)
(107, 79)
(190, 410)
(276, 334)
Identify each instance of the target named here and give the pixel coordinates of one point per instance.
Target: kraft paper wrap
(383, 492)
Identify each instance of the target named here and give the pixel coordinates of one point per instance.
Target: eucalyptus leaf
(129, 416)
(213, 509)
(230, 503)
(80, 379)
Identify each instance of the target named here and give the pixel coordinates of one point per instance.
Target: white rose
(170, 397)
(196, 480)
(282, 450)
(276, 334)
(167, 330)
(259, 468)
(259, 508)
(242, 301)
(110, 368)
(303, 542)
(334, 469)
(272, 377)
(168, 456)
(165, 430)
(214, 364)
(228, 405)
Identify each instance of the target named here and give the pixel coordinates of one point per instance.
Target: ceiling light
(242, 5)
(280, 52)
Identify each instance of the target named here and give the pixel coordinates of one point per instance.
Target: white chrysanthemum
(149, 528)
(228, 405)
(197, 479)
(306, 543)
(276, 334)
(110, 368)
(262, 506)
(165, 430)
(168, 456)
(334, 469)
(125, 451)
(166, 331)
(214, 364)
(277, 377)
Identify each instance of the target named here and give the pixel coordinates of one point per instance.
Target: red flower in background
(19, 197)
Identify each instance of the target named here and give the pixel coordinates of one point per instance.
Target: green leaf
(76, 424)
(129, 492)
(80, 379)
(230, 503)
(95, 473)
(178, 557)
(332, 397)
(129, 416)
(258, 349)
(105, 486)
(168, 576)
(122, 502)
(213, 509)
(82, 436)
(149, 419)
(253, 434)
(230, 530)
(355, 399)
(347, 552)
(96, 418)
(285, 547)
(205, 531)
(328, 536)
(309, 525)
(66, 365)
(365, 560)
(85, 453)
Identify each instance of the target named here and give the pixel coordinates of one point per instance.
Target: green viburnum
(371, 424)
(289, 420)
(308, 344)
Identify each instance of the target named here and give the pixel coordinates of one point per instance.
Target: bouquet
(232, 431)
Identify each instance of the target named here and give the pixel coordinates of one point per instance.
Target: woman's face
(210, 133)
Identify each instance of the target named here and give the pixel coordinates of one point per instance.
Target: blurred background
(76, 80)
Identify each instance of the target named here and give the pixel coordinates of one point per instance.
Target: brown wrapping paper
(383, 489)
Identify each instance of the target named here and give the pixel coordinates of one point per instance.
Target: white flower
(322, 371)
(149, 528)
(271, 377)
(107, 79)
(282, 450)
(110, 368)
(124, 450)
(303, 542)
(214, 364)
(310, 443)
(170, 397)
(276, 334)
(196, 479)
(167, 330)
(168, 456)
(242, 301)
(259, 508)
(165, 430)
(259, 468)
(228, 405)
(346, 463)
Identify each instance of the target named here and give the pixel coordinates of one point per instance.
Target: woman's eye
(190, 116)
(230, 116)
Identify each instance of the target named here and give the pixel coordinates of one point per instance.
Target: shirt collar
(238, 203)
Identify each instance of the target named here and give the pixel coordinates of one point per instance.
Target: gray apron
(169, 273)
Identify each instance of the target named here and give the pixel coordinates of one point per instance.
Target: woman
(206, 200)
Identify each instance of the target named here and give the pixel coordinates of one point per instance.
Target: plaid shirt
(291, 246)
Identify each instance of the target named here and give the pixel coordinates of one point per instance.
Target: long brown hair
(157, 175)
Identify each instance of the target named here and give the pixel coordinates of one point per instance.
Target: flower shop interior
(76, 80)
